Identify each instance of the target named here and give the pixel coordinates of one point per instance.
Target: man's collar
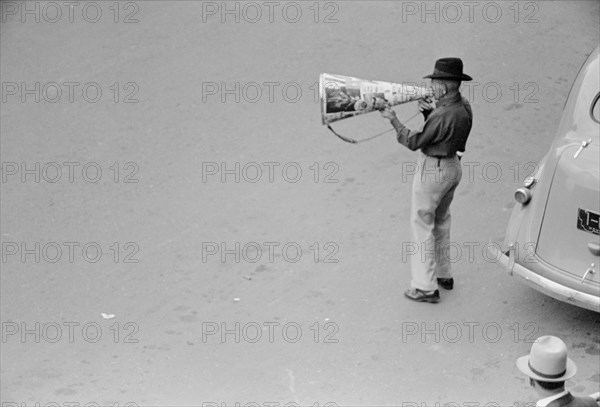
(544, 402)
(449, 98)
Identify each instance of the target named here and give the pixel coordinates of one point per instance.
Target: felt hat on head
(547, 361)
(449, 68)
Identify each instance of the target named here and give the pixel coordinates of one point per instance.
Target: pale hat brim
(523, 365)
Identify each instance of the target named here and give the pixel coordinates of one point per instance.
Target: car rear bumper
(544, 285)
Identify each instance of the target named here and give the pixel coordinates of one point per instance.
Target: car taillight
(523, 196)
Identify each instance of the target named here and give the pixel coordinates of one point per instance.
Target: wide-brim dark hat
(449, 68)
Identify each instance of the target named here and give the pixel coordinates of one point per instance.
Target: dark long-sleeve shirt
(445, 131)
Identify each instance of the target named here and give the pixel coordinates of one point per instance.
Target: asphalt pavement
(179, 228)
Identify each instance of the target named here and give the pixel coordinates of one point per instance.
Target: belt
(441, 156)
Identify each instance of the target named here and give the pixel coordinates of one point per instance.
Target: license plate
(588, 221)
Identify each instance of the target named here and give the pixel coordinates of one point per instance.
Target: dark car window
(595, 108)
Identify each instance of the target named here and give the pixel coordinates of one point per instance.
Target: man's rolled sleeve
(413, 139)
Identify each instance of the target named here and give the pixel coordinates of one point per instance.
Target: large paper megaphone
(344, 96)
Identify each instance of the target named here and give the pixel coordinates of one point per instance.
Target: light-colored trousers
(432, 192)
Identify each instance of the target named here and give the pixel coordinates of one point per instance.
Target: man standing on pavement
(548, 367)
(442, 139)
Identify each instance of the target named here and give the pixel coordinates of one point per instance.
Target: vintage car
(552, 242)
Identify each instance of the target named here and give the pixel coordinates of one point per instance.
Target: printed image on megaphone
(340, 101)
(377, 101)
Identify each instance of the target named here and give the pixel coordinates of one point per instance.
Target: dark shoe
(422, 296)
(447, 283)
